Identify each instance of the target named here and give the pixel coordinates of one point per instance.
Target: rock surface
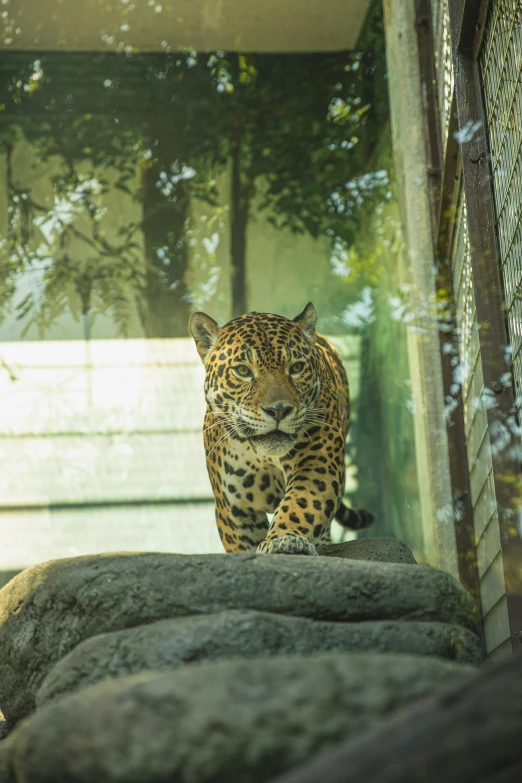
(169, 644)
(215, 722)
(49, 609)
(382, 549)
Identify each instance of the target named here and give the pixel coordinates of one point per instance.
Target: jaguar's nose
(279, 411)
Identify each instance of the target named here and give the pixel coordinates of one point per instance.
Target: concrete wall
(424, 349)
(100, 450)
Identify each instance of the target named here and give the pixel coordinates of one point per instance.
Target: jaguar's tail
(353, 518)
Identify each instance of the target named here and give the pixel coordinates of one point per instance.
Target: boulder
(49, 609)
(215, 722)
(382, 549)
(169, 644)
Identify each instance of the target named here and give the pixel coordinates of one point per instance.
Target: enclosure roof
(205, 25)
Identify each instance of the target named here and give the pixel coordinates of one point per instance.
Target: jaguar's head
(262, 375)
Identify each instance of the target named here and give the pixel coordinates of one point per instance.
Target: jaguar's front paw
(287, 545)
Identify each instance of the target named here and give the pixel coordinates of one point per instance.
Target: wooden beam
(470, 23)
(489, 296)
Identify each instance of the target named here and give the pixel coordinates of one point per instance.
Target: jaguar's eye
(243, 371)
(297, 368)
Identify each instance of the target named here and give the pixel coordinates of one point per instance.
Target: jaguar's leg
(240, 533)
(302, 519)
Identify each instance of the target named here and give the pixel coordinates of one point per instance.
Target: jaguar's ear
(307, 321)
(204, 330)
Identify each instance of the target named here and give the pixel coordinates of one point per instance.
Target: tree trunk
(240, 203)
(165, 311)
(470, 733)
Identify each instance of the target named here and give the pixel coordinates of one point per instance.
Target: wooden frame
(443, 174)
(467, 26)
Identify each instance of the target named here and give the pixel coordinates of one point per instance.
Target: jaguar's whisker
(221, 421)
(227, 435)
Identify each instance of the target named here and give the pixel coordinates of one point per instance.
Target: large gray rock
(6, 576)
(382, 549)
(47, 610)
(168, 644)
(217, 722)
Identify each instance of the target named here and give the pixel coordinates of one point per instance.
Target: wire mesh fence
(501, 67)
(443, 62)
(470, 377)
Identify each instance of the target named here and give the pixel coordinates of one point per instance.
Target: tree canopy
(295, 132)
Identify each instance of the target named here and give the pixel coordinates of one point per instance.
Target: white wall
(101, 449)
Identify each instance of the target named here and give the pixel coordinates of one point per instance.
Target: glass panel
(143, 183)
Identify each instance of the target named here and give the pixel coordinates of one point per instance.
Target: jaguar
(277, 418)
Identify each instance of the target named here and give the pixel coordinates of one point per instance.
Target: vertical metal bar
(465, 16)
(443, 172)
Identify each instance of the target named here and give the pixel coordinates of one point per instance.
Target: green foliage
(300, 130)
(62, 281)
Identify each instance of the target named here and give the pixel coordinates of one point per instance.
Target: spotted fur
(277, 418)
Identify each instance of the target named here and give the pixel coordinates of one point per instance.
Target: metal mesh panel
(478, 445)
(443, 61)
(466, 312)
(469, 374)
(501, 65)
